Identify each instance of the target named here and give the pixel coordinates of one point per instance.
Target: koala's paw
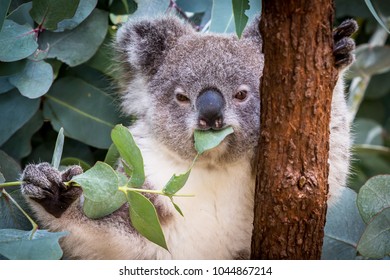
(45, 185)
(344, 45)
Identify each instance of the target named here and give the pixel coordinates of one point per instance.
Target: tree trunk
(296, 92)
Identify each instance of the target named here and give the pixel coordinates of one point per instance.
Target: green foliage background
(56, 71)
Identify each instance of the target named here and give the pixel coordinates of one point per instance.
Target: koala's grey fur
(161, 58)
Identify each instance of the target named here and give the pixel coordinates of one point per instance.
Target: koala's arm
(59, 208)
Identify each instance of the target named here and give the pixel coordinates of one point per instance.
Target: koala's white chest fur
(217, 220)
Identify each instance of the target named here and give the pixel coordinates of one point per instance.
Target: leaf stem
(125, 189)
(11, 184)
(33, 223)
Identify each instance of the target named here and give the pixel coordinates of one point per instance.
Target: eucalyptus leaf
(209, 139)
(75, 161)
(57, 154)
(35, 79)
(49, 13)
(150, 8)
(342, 232)
(15, 111)
(9, 167)
(17, 245)
(78, 45)
(375, 241)
(96, 210)
(4, 5)
(10, 215)
(5, 85)
(370, 60)
(19, 145)
(144, 218)
(367, 132)
(16, 41)
(176, 183)
(376, 15)
(130, 153)
(123, 7)
(240, 18)
(21, 14)
(112, 156)
(86, 113)
(374, 196)
(84, 9)
(222, 19)
(99, 183)
(12, 68)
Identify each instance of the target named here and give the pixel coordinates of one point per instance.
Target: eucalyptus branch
(11, 184)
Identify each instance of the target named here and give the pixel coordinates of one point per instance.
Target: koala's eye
(241, 95)
(182, 98)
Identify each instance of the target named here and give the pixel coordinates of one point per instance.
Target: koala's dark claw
(44, 184)
(345, 29)
(343, 45)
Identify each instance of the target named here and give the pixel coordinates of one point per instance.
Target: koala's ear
(144, 43)
(252, 31)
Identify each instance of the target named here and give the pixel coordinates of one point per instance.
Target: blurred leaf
(348, 8)
(195, 6)
(144, 218)
(209, 139)
(15, 111)
(4, 5)
(11, 68)
(240, 19)
(370, 60)
(123, 7)
(374, 196)
(367, 132)
(150, 8)
(16, 41)
(342, 232)
(35, 80)
(5, 85)
(379, 86)
(16, 245)
(176, 183)
(376, 15)
(9, 167)
(19, 145)
(84, 9)
(10, 215)
(78, 45)
(103, 59)
(83, 110)
(58, 148)
(49, 13)
(21, 15)
(375, 241)
(222, 19)
(130, 153)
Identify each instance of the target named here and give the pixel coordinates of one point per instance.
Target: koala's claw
(343, 45)
(45, 185)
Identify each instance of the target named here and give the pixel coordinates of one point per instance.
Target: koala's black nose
(210, 105)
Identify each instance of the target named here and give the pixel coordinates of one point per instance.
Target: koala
(176, 80)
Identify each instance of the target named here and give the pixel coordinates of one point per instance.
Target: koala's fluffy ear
(252, 31)
(143, 43)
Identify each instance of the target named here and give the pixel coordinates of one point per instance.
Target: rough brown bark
(296, 91)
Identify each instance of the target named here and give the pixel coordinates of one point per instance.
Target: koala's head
(177, 80)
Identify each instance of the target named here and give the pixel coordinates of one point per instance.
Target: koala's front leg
(45, 185)
(344, 45)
